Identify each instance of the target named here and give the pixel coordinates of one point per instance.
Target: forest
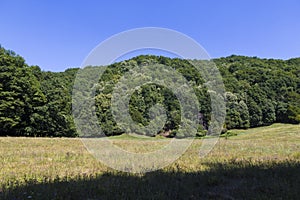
(259, 92)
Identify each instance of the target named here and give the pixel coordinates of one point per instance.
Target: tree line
(259, 92)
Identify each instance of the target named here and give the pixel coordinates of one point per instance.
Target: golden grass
(46, 159)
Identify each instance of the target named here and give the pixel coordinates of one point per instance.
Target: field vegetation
(258, 163)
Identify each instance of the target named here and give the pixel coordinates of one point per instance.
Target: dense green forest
(259, 92)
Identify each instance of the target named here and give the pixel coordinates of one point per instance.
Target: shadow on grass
(224, 181)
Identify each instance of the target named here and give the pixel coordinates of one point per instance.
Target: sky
(59, 34)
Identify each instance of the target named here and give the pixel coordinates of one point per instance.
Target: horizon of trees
(259, 92)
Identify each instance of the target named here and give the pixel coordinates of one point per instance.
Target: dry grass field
(259, 163)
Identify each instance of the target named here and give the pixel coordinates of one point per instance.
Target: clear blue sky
(59, 34)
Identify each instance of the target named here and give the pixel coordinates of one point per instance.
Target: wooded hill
(259, 92)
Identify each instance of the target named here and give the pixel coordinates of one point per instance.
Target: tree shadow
(223, 181)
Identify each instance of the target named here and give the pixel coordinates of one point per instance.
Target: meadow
(257, 163)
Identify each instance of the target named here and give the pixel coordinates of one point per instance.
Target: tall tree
(20, 96)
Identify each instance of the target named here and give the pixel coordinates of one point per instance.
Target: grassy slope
(258, 163)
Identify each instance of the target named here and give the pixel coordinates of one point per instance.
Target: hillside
(259, 92)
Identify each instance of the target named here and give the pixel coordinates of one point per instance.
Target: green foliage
(268, 87)
(145, 97)
(293, 109)
(32, 102)
(57, 119)
(20, 96)
(37, 103)
(237, 112)
(259, 92)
